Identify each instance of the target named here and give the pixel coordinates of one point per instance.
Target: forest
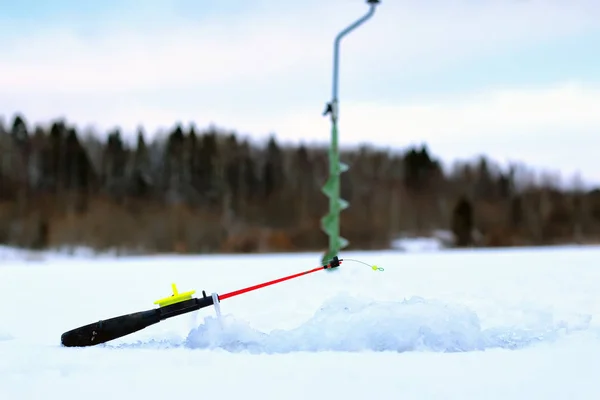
(191, 190)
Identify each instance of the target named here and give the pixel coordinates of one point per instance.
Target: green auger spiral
(330, 223)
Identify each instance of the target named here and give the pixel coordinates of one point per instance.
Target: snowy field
(515, 324)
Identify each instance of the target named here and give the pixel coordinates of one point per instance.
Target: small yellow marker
(176, 297)
(374, 267)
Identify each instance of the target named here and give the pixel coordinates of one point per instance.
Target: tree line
(210, 190)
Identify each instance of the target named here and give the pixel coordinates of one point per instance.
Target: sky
(515, 80)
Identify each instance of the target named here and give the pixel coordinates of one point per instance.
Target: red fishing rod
(332, 264)
(172, 306)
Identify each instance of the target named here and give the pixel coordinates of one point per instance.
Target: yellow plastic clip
(176, 297)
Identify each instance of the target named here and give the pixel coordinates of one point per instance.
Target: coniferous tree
(263, 198)
(462, 223)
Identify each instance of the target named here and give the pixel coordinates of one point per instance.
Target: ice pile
(350, 324)
(5, 336)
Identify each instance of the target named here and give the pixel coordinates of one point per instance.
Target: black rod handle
(114, 328)
(109, 329)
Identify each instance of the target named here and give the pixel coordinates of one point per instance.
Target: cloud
(168, 49)
(551, 127)
(267, 68)
(547, 127)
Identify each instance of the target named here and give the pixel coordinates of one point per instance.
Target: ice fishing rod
(172, 306)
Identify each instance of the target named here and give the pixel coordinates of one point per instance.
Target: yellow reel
(176, 297)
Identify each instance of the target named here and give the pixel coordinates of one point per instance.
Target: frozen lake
(495, 324)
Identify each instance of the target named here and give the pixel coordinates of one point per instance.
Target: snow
(419, 244)
(8, 254)
(493, 324)
(437, 240)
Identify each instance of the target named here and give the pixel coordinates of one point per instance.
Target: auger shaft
(330, 223)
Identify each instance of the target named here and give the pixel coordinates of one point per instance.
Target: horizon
(510, 80)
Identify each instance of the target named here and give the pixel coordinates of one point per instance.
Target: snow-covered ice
(494, 324)
(417, 244)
